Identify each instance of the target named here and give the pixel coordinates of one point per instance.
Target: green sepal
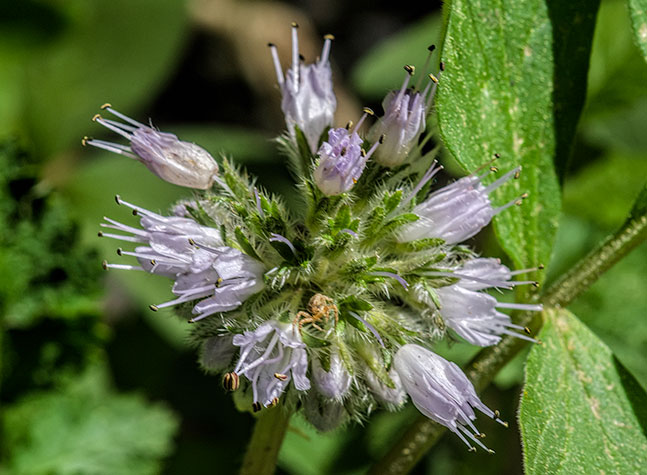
(324, 360)
(303, 149)
(238, 183)
(346, 357)
(396, 222)
(313, 341)
(245, 244)
(420, 245)
(375, 220)
(378, 367)
(355, 304)
(392, 200)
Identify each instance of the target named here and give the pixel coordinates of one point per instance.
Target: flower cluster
(330, 309)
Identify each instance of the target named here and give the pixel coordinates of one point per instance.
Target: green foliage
(43, 270)
(497, 96)
(86, 428)
(581, 411)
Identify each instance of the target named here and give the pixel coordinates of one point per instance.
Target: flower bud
(308, 101)
(334, 383)
(171, 159)
(456, 212)
(341, 160)
(384, 394)
(404, 118)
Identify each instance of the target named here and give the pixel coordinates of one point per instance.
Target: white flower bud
(332, 384)
(171, 159)
(308, 100)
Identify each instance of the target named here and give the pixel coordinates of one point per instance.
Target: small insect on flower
(320, 307)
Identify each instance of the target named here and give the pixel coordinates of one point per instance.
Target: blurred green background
(91, 381)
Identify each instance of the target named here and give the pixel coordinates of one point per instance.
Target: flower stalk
(265, 443)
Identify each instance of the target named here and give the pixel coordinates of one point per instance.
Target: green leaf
(581, 411)
(616, 108)
(498, 95)
(638, 12)
(85, 428)
(378, 72)
(44, 271)
(606, 189)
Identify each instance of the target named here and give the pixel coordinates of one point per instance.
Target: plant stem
(596, 263)
(264, 446)
(424, 433)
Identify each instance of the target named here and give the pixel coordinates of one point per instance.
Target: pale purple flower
(404, 120)
(341, 159)
(441, 391)
(168, 249)
(271, 356)
(171, 159)
(333, 384)
(308, 101)
(456, 212)
(474, 316)
(180, 248)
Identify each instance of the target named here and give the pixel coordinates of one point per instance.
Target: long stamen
(295, 55)
(261, 359)
(109, 108)
(521, 306)
(124, 127)
(107, 266)
(367, 111)
(410, 71)
(277, 64)
(429, 174)
(110, 147)
(120, 237)
(425, 68)
(114, 128)
(325, 52)
(494, 185)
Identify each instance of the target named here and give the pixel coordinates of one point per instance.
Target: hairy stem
(424, 433)
(264, 446)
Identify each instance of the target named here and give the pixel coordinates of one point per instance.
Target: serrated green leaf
(581, 412)
(638, 12)
(498, 95)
